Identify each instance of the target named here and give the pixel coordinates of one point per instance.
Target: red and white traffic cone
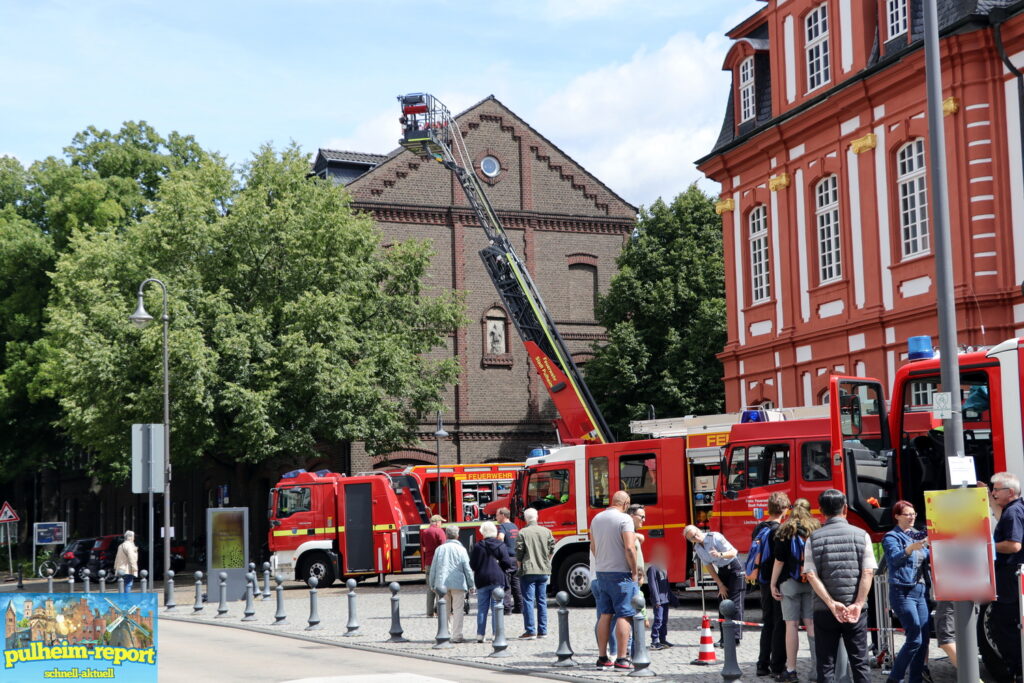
(706, 656)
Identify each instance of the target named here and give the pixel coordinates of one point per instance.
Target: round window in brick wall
(490, 166)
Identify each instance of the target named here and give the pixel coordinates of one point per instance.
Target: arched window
(911, 182)
(826, 212)
(759, 271)
(747, 102)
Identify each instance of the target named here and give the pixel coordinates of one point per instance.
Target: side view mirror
(731, 495)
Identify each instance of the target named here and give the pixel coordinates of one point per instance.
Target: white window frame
(826, 213)
(896, 17)
(819, 70)
(912, 188)
(748, 106)
(760, 274)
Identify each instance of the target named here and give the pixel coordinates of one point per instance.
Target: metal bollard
(314, 614)
(120, 582)
(198, 606)
(641, 658)
(250, 576)
(266, 581)
(222, 606)
(500, 644)
(250, 609)
(144, 581)
(169, 602)
(71, 581)
(443, 637)
(280, 618)
(85, 578)
(731, 670)
(21, 584)
(102, 583)
(49, 579)
(352, 625)
(564, 650)
(396, 618)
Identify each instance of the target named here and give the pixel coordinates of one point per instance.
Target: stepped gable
(536, 175)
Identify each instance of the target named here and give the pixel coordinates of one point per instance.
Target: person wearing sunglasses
(1008, 537)
(907, 553)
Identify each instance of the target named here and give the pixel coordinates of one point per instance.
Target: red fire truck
(466, 490)
(327, 525)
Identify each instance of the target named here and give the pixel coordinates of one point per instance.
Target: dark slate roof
(950, 14)
(358, 157)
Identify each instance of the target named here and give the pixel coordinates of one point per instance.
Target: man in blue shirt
(507, 534)
(1008, 537)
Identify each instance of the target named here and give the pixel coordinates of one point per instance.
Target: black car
(104, 552)
(75, 557)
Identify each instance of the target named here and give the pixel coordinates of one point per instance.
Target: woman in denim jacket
(906, 554)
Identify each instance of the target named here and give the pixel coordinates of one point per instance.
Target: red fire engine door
(358, 528)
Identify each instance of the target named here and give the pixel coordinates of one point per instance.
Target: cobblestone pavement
(534, 656)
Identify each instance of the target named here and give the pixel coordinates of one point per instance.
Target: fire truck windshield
(547, 488)
(291, 500)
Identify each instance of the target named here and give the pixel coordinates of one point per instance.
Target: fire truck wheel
(986, 646)
(318, 565)
(574, 579)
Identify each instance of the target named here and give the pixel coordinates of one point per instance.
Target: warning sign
(959, 532)
(7, 513)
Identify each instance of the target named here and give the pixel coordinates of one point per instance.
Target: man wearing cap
(430, 538)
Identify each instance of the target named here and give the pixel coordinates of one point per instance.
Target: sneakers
(787, 677)
(623, 663)
(657, 646)
(665, 643)
(604, 663)
(544, 635)
(527, 636)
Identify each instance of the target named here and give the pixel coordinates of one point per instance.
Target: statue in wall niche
(495, 336)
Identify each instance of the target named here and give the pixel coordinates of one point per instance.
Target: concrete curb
(538, 673)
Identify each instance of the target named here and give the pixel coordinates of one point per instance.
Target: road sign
(942, 405)
(7, 513)
(147, 458)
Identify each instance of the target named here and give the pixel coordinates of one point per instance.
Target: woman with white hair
(489, 561)
(126, 562)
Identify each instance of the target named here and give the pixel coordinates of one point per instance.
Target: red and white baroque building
(829, 256)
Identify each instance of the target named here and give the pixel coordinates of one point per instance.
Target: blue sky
(632, 90)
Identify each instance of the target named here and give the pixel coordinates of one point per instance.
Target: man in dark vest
(840, 563)
(1008, 537)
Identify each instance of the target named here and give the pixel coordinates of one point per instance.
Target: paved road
(191, 652)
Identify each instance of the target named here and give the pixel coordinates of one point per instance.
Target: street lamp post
(438, 435)
(141, 318)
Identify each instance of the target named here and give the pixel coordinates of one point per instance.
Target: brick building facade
(566, 225)
(822, 160)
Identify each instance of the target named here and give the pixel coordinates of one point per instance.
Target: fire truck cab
(327, 525)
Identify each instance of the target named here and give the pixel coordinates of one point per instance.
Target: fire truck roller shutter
(358, 528)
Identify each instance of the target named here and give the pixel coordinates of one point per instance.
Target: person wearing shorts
(945, 629)
(797, 603)
(613, 545)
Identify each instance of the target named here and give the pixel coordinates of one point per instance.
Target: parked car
(75, 557)
(104, 551)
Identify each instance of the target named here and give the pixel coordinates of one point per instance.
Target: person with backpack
(790, 586)
(771, 658)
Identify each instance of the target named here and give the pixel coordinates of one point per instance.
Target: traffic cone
(706, 656)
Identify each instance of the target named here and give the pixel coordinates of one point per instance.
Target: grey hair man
(450, 573)
(534, 548)
(1009, 537)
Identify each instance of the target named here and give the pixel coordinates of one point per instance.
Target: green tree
(104, 181)
(291, 326)
(665, 316)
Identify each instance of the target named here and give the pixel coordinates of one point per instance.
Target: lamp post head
(140, 317)
(441, 434)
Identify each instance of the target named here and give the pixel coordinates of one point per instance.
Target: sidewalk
(533, 656)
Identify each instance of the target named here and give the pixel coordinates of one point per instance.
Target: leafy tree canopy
(290, 325)
(665, 316)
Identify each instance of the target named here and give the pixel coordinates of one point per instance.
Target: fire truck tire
(990, 656)
(316, 564)
(574, 579)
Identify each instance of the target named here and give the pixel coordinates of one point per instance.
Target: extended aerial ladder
(429, 129)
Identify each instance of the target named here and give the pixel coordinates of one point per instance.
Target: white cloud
(640, 125)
